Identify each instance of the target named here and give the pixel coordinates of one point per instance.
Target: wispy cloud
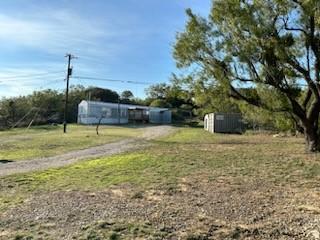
(51, 33)
(57, 32)
(15, 81)
(116, 39)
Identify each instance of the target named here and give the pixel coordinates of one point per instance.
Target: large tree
(265, 45)
(102, 94)
(127, 94)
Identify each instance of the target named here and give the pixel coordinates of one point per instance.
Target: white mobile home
(91, 112)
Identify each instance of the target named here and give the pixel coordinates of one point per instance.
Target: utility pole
(69, 73)
(119, 112)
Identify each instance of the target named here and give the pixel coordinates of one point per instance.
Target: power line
(34, 79)
(112, 80)
(29, 81)
(93, 60)
(21, 119)
(51, 83)
(55, 80)
(30, 75)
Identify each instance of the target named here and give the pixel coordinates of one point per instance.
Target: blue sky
(119, 39)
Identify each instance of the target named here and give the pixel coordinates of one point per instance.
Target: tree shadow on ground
(4, 161)
(196, 142)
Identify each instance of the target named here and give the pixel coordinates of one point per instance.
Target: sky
(130, 40)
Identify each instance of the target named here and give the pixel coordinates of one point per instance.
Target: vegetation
(127, 97)
(260, 58)
(259, 51)
(162, 165)
(160, 103)
(47, 106)
(231, 161)
(44, 141)
(175, 97)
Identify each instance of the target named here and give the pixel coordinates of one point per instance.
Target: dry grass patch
(190, 185)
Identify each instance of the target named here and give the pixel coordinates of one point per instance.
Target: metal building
(157, 115)
(91, 112)
(224, 123)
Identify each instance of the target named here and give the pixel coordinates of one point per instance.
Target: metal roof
(129, 106)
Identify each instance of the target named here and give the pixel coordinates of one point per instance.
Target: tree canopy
(102, 94)
(127, 94)
(269, 46)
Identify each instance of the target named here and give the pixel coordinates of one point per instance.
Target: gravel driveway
(94, 152)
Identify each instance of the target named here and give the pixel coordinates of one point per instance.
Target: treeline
(47, 106)
(189, 99)
(173, 96)
(192, 97)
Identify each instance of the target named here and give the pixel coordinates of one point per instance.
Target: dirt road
(78, 155)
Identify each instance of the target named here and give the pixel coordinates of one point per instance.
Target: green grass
(125, 230)
(189, 152)
(44, 141)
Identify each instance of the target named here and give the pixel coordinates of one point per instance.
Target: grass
(188, 152)
(44, 141)
(114, 231)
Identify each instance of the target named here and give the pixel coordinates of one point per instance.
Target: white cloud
(39, 39)
(50, 33)
(55, 32)
(16, 81)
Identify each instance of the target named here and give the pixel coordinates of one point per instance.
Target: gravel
(196, 209)
(84, 154)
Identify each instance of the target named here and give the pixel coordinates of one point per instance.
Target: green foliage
(158, 91)
(76, 95)
(103, 95)
(258, 118)
(127, 97)
(160, 103)
(256, 52)
(127, 94)
(47, 106)
(172, 96)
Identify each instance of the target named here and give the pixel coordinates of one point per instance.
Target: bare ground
(198, 208)
(94, 152)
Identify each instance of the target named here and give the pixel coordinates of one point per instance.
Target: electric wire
(34, 108)
(31, 80)
(111, 80)
(21, 119)
(55, 80)
(30, 75)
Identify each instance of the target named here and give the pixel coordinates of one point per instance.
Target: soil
(198, 208)
(150, 133)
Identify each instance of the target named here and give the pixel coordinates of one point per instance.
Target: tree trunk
(312, 139)
(98, 125)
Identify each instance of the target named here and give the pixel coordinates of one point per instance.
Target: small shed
(160, 116)
(224, 123)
